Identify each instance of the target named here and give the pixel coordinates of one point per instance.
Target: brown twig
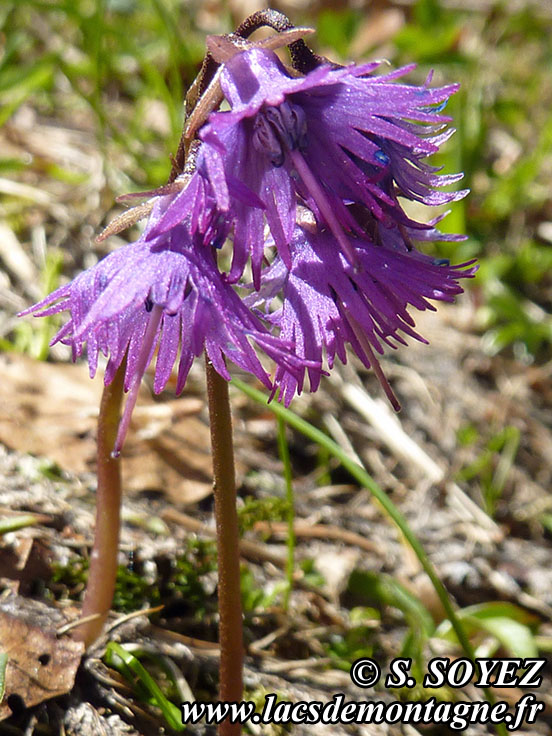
(318, 531)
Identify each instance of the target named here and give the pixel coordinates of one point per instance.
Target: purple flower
(164, 293)
(324, 160)
(329, 304)
(334, 137)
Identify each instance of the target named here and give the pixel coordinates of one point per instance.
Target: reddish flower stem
(229, 592)
(100, 587)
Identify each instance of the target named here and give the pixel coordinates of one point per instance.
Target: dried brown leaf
(40, 665)
(51, 410)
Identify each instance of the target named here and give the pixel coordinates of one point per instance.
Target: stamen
(278, 129)
(143, 362)
(267, 140)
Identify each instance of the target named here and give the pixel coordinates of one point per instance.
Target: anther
(278, 129)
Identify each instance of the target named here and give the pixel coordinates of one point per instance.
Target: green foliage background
(129, 63)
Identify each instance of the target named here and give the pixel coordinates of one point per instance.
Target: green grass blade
(362, 477)
(14, 523)
(134, 670)
(3, 665)
(283, 448)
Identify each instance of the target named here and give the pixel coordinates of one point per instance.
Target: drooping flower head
(328, 304)
(334, 137)
(162, 293)
(304, 177)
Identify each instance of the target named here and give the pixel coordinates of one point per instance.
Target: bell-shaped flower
(327, 304)
(335, 137)
(162, 294)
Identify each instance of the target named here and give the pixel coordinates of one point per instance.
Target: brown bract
(222, 48)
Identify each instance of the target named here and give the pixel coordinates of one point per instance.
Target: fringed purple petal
(338, 148)
(363, 140)
(196, 308)
(327, 304)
